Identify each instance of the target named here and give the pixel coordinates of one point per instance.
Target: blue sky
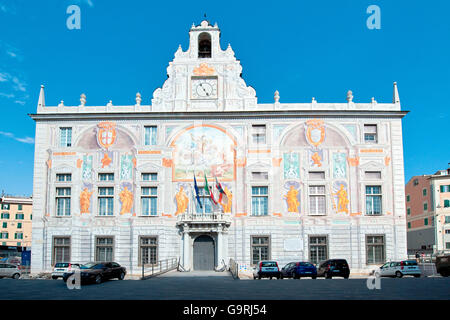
(303, 49)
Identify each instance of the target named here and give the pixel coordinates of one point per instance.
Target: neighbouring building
(15, 224)
(428, 212)
(300, 181)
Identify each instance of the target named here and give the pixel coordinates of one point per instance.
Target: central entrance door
(204, 253)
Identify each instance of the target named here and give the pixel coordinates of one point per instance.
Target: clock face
(204, 88)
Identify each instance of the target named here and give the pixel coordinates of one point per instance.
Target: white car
(399, 269)
(62, 267)
(10, 270)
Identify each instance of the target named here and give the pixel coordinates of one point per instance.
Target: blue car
(298, 270)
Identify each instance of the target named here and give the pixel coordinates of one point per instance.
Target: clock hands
(204, 90)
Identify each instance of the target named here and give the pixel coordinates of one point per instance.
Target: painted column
(185, 249)
(219, 247)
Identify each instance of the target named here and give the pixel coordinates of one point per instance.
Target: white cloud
(4, 77)
(7, 95)
(11, 54)
(19, 85)
(20, 102)
(27, 140)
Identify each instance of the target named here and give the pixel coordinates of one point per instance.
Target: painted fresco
(126, 198)
(126, 167)
(87, 167)
(292, 196)
(204, 149)
(291, 165)
(339, 165)
(340, 198)
(316, 158)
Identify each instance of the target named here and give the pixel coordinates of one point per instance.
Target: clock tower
(205, 77)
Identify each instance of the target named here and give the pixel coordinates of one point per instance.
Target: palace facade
(301, 181)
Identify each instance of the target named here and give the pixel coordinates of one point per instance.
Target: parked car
(267, 269)
(399, 269)
(10, 270)
(98, 272)
(334, 268)
(62, 267)
(298, 270)
(443, 265)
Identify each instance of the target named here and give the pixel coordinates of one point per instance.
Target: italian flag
(208, 190)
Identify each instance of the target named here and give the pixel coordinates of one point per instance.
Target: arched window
(204, 45)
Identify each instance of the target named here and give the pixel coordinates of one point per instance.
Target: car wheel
(328, 276)
(444, 274)
(346, 277)
(121, 276)
(16, 276)
(295, 276)
(259, 277)
(98, 279)
(417, 276)
(281, 277)
(270, 278)
(54, 277)
(398, 274)
(314, 277)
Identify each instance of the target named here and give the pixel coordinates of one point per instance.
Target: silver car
(10, 271)
(399, 269)
(63, 267)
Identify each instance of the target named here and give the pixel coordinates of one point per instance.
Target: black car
(99, 271)
(333, 268)
(443, 265)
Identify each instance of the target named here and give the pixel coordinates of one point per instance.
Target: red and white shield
(106, 135)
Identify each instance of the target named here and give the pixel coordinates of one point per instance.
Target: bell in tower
(204, 45)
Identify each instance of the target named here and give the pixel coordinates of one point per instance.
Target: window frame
(256, 134)
(259, 196)
(67, 198)
(98, 246)
(60, 246)
(373, 195)
(365, 132)
(327, 248)
(268, 245)
(374, 245)
(141, 246)
(67, 143)
(149, 196)
(105, 196)
(317, 195)
(150, 141)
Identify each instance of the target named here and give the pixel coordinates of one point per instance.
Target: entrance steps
(199, 273)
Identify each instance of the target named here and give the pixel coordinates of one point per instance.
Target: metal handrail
(158, 268)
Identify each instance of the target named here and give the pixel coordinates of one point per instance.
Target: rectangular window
(370, 133)
(424, 192)
(4, 235)
(149, 199)
(373, 200)
(18, 235)
(65, 137)
(205, 200)
(425, 221)
(260, 201)
(375, 249)
(260, 249)
(5, 225)
(447, 231)
(445, 188)
(63, 177)
(318, 249)
(150, 135)
(104, 249)
(447, 219)
(19, 225)
(317, 200)
(149, 176)
(409, 225)
(425, 207)
(408, 211)
(105, 201)
(373, 175)
(148, 250)
(63, 201)
(317, 175)
(19, 207)
(5, 206)
(408, 198)
(20, 216)
(260, 175)
(447, 245)
(61, 249)
(5, 215)
(106, 176)
(259, 133)
(446, 203)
